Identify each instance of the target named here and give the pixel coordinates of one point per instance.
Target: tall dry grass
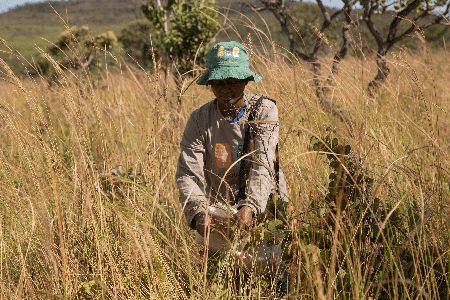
(71, 229)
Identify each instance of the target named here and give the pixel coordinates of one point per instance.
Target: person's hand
(202, 222)
(244, 217)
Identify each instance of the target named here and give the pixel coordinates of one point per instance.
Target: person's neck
(230, 110)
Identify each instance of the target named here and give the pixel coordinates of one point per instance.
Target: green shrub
(351, 225)
(135, 39)
(179, 33)
(76, 49)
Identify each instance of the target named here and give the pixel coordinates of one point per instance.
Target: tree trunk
(164, 54)
(326, 102)
(382, 73)
(323, 93)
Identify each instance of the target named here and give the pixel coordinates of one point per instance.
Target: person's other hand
(244, 217)
(202, 222)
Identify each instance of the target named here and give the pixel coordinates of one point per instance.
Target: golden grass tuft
(68, 229)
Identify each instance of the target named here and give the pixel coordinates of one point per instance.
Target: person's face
(228, 91)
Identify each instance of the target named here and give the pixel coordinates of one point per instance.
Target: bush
(350, 225)
(76, 49)
(135, 39)
(180, 38)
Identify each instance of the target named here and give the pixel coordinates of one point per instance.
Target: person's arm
(261, 178)
(190, 173)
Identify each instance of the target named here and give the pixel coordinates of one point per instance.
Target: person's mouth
(230, 99)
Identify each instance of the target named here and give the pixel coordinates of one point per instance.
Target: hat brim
(228, 72)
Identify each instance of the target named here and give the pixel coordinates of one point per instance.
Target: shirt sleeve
(261, 178)
(190, 173)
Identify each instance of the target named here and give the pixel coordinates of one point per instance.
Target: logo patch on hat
(221, 51)
(235, 52)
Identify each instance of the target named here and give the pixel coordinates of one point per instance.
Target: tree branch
(411, 29)
(384, 45)
(323, 93)
(277, 8)
(256, 8)
(369, 10)
(325, 24)
(302, 56)
(88, 62)
(437, 19)
(335, 14)
(325, 14)
(346, 40)
(326, 102)
(387, 5)
(400, 16)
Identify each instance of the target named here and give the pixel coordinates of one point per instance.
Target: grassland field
(64, 234)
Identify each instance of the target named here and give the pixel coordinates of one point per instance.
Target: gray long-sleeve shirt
(209, 162)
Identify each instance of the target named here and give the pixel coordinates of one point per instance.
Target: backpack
(276, 207)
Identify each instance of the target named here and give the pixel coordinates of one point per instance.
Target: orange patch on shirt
(223, 155)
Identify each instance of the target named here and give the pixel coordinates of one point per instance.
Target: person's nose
(227, 87)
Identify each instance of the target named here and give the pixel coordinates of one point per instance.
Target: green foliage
(135, 39)
(380, 230)
(89, 290)
(75, 49)
(349, 224)
(349, 186)
(273, 225)
(185, 28)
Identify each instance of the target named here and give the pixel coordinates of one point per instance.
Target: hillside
(78, 12)
(33, 26)
(27, 26)
(100, 12)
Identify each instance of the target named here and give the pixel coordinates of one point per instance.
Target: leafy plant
(185, 28)
(136, 40)
(379, 231)
(89, 290)
(76, 49)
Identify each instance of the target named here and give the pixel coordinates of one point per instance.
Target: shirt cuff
(249, 204)
(191, 213)
(193, 223)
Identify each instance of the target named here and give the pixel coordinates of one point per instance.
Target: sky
(8, 4)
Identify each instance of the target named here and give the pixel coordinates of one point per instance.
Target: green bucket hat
(227, 60)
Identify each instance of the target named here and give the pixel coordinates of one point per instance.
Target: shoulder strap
(244, 170)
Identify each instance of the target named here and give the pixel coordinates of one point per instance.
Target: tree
(406, 18)
(185, 28)
(135, 39)
(279, 9)
(409, 17)
(75, 49)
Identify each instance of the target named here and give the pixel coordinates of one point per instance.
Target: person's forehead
(227, 80)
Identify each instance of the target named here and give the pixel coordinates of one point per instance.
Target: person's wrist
(247, 210)
(194, 221)
(198, 219)
(244, 217)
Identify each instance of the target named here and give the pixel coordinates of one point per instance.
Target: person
(229, 149)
